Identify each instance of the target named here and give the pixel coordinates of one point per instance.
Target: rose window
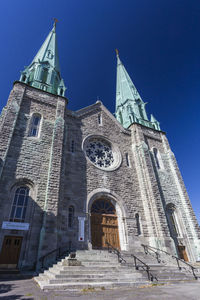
(100, 153)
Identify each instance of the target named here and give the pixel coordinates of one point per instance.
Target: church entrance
(10, 251)
(104, 224)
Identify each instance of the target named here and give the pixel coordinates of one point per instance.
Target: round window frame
(115, 150)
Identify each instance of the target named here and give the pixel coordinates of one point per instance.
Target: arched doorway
(104, 224)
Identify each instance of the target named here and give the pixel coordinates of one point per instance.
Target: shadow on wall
(73, 187)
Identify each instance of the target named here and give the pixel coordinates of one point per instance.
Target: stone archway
(104, 224)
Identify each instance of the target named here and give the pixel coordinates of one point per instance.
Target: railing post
(148, 274)
(177, 260)
(158, 257)
(135, 261)
(194, 273)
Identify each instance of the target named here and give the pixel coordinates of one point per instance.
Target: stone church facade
(82, 179)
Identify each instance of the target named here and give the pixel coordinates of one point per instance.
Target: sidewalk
(27, 289)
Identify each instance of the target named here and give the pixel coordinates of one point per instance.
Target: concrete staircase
(98, 269)
(165, 271)
(101, 269)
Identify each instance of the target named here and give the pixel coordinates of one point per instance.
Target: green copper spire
(44, 71)
(130, 107)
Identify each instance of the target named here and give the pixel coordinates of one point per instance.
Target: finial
(117, 52)
(55, 21)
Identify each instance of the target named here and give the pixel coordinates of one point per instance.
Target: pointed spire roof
(44, 71)
(125, 87)
(130, 107)
(49, 51)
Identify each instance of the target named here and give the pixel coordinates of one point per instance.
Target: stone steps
(90, 285)
(100, 269)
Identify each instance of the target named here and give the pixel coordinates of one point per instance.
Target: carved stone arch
(23, 181)
(115, 200)
(14, 189)
(33, 126)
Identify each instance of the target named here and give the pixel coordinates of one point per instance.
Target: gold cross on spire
(55, 21)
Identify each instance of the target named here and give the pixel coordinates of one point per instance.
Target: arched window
(103, 206)
(35, 125)
(71, 217)
(171, 213)
(137, 217)
(19, 206)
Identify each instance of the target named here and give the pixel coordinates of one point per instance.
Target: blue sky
(158, 42)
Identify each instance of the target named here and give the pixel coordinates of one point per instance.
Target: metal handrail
(156, 253)
(57, 250)
(117, 252)
(146, 247)
(144, 266)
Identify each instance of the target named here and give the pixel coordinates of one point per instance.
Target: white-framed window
(19, 205)
(35, 125)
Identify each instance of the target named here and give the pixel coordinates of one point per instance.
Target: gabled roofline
(99, 105)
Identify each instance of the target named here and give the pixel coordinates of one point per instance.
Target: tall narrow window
(155, 152)
(171, 212)
(72, 146)
(19, 206)
(99, 119)
(127, 160)
(35, 125)
(141, 111)
(71, 217)
(44, 74)
(137, 217)
(121, 118)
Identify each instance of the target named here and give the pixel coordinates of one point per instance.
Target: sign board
(81, 229)
(15, 225)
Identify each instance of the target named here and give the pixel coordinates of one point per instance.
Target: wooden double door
(104, 229)
(10, 251)
(104, 224)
